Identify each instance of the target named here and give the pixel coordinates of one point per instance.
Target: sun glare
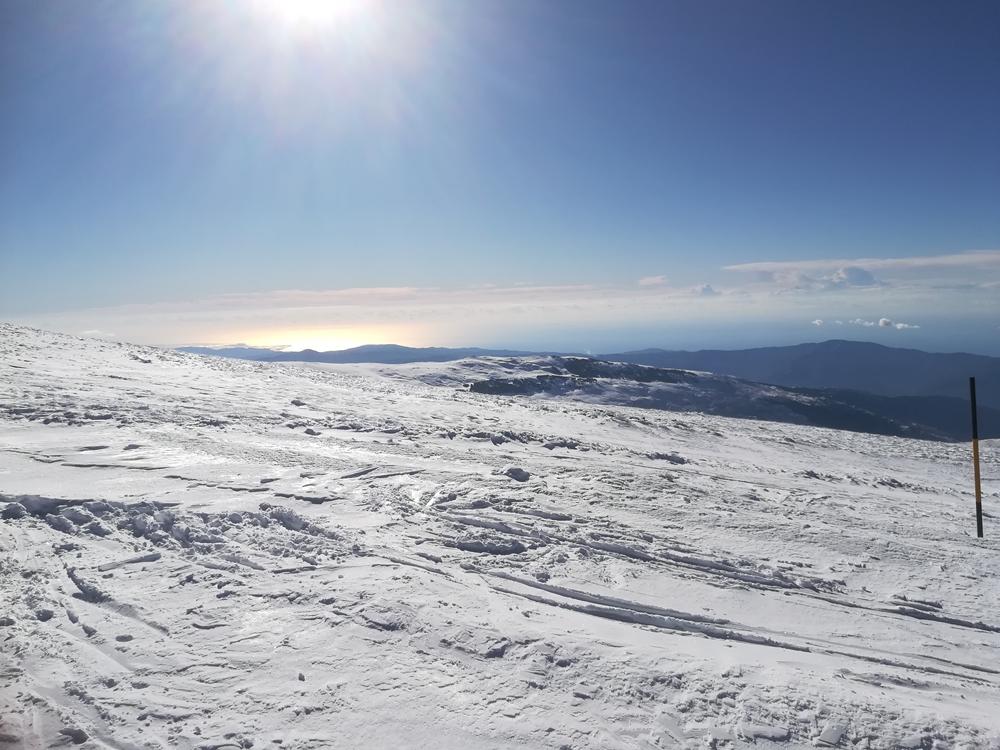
(314, 14)
(327, 339)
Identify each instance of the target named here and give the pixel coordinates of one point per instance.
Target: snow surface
(198, 552)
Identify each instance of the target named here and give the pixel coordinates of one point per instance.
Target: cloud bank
(758, 297)
(969, 270)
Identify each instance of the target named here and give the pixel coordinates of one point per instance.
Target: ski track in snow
(198, 552)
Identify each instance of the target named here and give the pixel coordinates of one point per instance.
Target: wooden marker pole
(975, 459)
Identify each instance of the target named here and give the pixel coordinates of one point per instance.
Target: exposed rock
(517, 474)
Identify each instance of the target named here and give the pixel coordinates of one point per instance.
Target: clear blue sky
(155, 156)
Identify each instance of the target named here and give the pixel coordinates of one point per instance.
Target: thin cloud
(940, 279)
(417, 316)
(851, 276)
(792, 279)
(817, 322)
(464, 316)
(653, 281)
(971, 259)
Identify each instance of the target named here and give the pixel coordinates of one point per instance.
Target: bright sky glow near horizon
(533, 174)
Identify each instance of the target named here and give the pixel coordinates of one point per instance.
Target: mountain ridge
(645, 387)
(853, 365)
(837, 363)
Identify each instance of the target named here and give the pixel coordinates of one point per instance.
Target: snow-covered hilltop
(601, 382)
(198, 552)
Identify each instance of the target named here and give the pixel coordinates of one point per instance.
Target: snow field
(209, 553)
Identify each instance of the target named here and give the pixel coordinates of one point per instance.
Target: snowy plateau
(198, 552)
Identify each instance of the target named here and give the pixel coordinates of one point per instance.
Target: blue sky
(571, 175)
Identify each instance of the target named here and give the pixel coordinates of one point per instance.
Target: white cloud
(707, 291)
(94, 333)
(653, 281)
(941, 275)
(817, 322)
(794, 278)
(882, 323)
(850, 276)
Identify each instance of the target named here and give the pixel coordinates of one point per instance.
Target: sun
(314, 14)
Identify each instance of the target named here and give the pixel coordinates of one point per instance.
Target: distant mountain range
(854, 365)
(231, 352)
(856, 385)
(598, 381)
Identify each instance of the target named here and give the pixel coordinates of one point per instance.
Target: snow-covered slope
(599, 382)
(201, 552)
